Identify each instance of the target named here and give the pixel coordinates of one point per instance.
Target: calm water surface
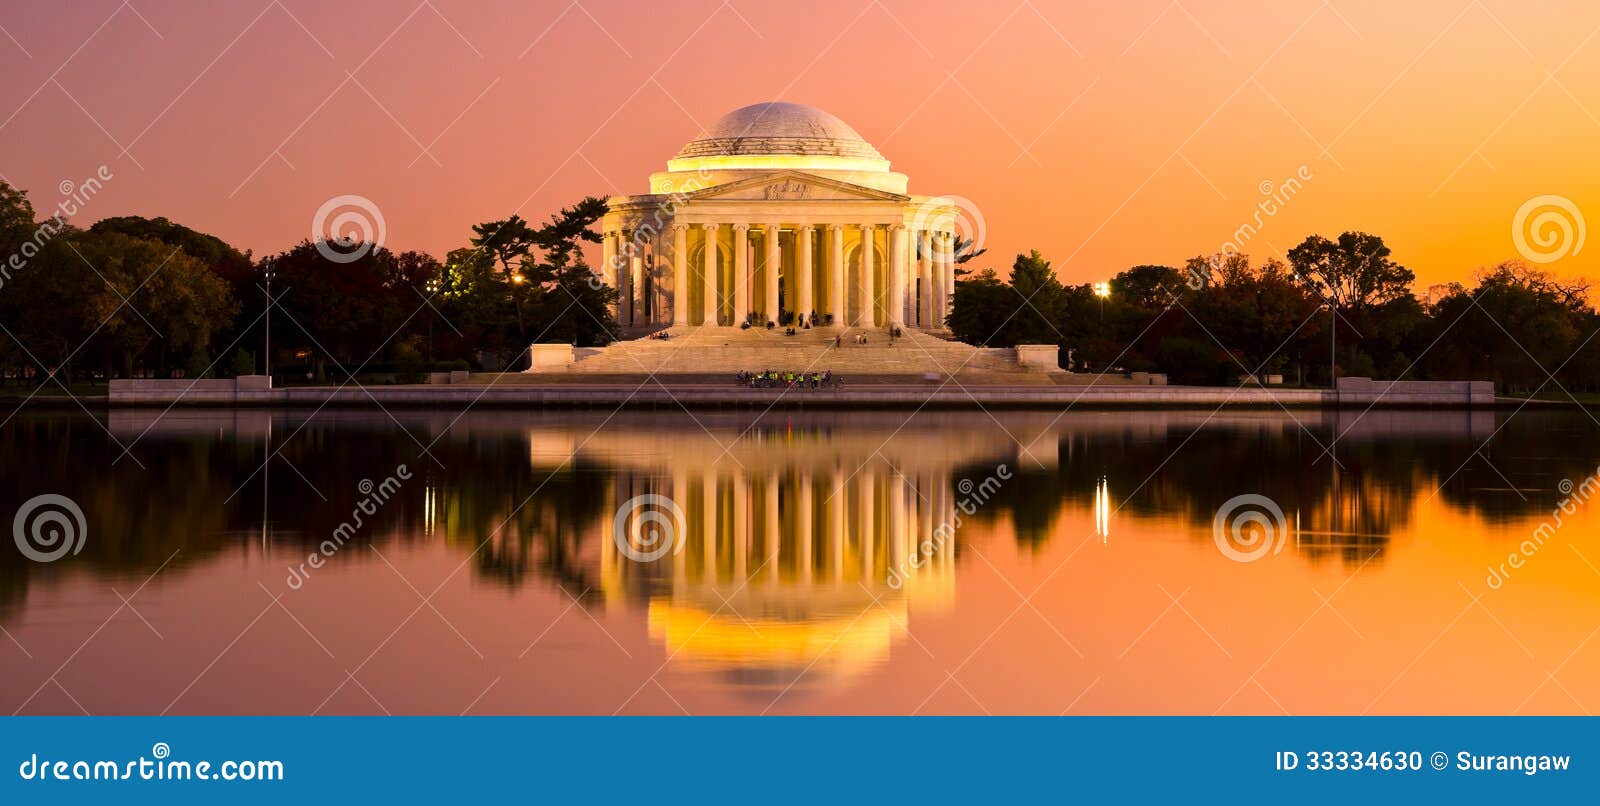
(808, 568)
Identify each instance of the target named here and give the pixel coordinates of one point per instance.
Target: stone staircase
(724, 351)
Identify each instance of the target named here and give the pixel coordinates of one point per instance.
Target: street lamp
(267, 270)
(1102, 290)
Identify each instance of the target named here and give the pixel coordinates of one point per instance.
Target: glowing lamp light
(1102, 290)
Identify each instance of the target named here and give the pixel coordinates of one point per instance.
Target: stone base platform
(721, 351)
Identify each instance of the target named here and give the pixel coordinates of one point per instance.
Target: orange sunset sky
(1105, 134)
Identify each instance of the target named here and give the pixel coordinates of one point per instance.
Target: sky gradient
(1103, 134)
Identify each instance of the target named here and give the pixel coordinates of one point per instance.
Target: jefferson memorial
(780, 213)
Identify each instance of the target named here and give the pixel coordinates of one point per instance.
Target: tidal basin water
(440, 562)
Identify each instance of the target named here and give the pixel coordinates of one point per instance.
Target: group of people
(793, 322)
(773, 379)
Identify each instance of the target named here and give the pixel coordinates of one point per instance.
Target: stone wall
(1366, 391)
(243, 389)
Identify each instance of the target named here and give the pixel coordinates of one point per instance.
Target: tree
(1149, 287)
(347, 312)
(547, 276)
(1260, 314)
(964, 250)
(1353, 272)
(117, 302)
(981, 306)
(1353, 275)
(1516, 326)
(986, 311)
(233, 267)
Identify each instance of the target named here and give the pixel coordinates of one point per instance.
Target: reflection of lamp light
(1102, 509)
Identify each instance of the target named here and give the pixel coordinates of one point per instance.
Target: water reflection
(792, 556)
(808, 543)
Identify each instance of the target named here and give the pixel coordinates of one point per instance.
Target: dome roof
(777, 128)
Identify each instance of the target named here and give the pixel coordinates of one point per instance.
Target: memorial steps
(702, 354)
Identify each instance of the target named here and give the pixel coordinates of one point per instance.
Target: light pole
(1102, 290)
(267, 266)
(433, 290)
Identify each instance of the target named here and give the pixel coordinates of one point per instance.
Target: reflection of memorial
(788, 554)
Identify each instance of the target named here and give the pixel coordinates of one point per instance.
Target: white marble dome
(777, 128)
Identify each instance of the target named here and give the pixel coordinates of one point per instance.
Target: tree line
(1341, 305)
(146, 297)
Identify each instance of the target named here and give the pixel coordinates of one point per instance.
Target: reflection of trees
(1191, 470)
(136, 517)
(199, 494)
(547, 535)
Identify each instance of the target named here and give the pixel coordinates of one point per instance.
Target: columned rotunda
(780, 211)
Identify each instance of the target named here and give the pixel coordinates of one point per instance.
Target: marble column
(897, 276)
(941, 291)
(636, 307)
(774, 261)
(949, 275)
(836, 273)
(680, 274)
(654, 268)
(804, 303)
(608, 263)
(924, 279)
(868, 280)
(708, 272)
(741, 273)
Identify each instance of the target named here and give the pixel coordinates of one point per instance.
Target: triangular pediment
(793, 186)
